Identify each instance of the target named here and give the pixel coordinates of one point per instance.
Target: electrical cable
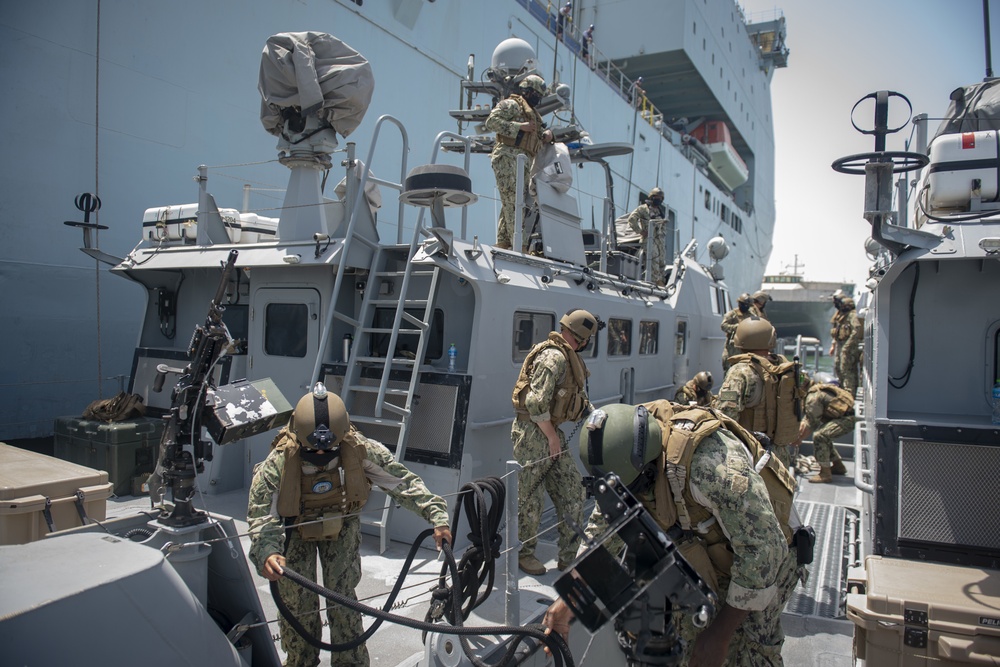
(905, 377)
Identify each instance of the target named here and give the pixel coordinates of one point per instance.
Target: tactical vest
(839, 401)
(529, 142)
(778, 412)
(570, 397)
(308, 493)
(703, 542)
(841, 322)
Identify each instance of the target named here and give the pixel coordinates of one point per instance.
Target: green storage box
(125, 450)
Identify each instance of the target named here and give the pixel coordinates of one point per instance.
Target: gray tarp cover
(317, 73)
(973, 108)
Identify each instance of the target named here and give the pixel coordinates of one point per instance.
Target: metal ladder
(405, 296)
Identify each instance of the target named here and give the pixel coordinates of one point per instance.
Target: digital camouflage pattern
(648, 217)
(824, 430)
(763, 572)
(849, 354)
(505, 119)
(689, 394)
(559, 477)
(742, 388)
(340, 558)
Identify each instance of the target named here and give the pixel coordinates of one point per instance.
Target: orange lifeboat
(725, 163)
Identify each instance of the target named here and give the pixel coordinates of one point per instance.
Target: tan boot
(839, 468)
(530, 565)
(824, 476)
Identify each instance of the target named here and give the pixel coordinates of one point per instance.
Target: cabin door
(681, 372)
(283, 344)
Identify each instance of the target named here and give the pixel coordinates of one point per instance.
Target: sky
(840, 51)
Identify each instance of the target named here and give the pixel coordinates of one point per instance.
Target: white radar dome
(718, 249)
(513, 55)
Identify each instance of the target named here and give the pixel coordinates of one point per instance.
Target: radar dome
(513, 55)
(718, 249)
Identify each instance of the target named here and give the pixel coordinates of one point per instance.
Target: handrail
(861, 448)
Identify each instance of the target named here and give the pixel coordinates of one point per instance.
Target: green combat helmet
(754, 333)
(621, 439)
(320, 419)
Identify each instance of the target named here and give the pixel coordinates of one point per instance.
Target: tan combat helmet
(656, 193)
(848, 303)
(581, 324)
(761, 297)
(533, 82)
(754, 333)
(703, 380)
(320, 419)
(625, 441)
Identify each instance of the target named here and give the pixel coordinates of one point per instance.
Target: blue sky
(840, 52)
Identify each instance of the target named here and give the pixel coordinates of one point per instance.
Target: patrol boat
(924, 584)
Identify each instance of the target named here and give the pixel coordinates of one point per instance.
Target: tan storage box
(917, 613)
(36, 489)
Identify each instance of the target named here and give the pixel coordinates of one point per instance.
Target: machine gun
(196, 403)
(641, 592)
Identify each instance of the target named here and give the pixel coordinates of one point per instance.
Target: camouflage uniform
(560, 477)
(505, 120)
(689, 394)
(647, 217)
(825, 430)
(340, 557)
(764, 572)
(730, 321)
(742, 388)
(849, 353)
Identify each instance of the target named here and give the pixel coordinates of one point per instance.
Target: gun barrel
(226, 272)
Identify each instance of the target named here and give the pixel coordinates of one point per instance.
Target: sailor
(846, 331)
(761, 389)
(744, 309)
(649, 218)
(551, 390)
(696, 391)
(828, 413)
(304, 500)
(703, 467)
(585, 42)
(519, 129)
(564, 15)
(760, 299)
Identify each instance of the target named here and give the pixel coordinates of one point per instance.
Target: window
(530, 329)
(286, 329)
(680, 338)
(708, 200)
(724, 214)
(619, 337)
(236, 317)
(649, 337)
(406, 343)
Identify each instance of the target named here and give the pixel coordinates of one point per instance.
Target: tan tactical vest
(777, 414)
(308, 494)
(704, 544)
(570, 398)
(838, 403)
(530, 142)
(841, 329)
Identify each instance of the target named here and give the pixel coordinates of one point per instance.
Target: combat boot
(839, 468)
(530, 565)
(824, 476)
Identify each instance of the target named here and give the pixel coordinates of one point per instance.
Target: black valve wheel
(902, 161)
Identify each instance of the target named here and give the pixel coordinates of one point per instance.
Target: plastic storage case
(36, 489)
(125, 449)
(922, 613)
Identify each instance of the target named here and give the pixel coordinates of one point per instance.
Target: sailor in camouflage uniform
(304, 500)
(650, 218)
(697, 391)
(828, 413)
(761, 389)
(551, 390)
(760, 300)
(519, 129)
(847, 331)
(744, 309)
(761, 572)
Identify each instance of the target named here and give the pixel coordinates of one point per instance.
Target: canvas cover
(973, 108)
(318, 74)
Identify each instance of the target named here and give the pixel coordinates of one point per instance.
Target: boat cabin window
(286, 329)
(649, 337)
(530, 329)
(719, 306)
(680, 338)
(406, 343)
(619, 337)
(237, 320)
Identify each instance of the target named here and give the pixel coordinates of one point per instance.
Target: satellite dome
(513, 55)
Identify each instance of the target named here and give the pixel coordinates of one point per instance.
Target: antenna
(986, 31)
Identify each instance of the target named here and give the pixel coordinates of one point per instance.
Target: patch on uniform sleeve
(729, 395)
(737, 473)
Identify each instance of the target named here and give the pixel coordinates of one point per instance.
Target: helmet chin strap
(640, 433)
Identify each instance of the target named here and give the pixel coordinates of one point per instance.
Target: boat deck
(817, 631)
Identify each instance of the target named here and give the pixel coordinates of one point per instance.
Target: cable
(905, 377)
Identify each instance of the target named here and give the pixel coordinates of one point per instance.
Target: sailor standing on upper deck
(649, 219)
(519, 129)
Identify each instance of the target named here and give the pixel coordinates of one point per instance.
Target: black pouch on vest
(804, 540)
